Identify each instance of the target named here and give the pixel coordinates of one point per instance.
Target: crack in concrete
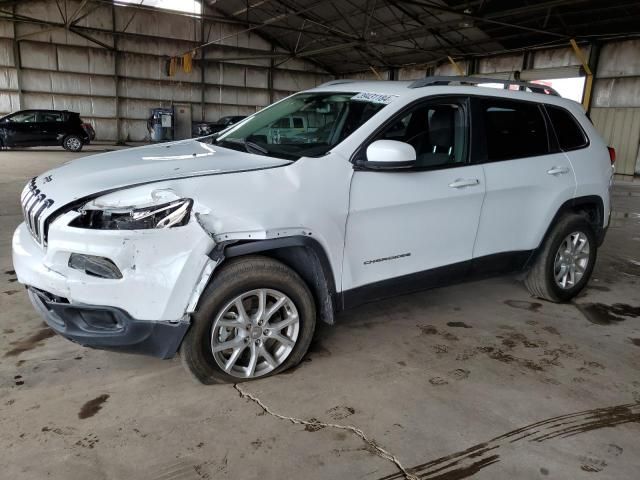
(375, 448)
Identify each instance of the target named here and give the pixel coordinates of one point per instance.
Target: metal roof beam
(491, 18)
(422, 30)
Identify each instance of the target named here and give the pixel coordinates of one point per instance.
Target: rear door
(587, 153)
(51, 127)
(527, 177)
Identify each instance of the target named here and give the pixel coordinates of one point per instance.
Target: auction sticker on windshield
(374, 98)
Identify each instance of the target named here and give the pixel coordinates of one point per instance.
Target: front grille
(34, 205)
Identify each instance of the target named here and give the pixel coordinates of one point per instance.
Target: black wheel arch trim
(569, 206)
(303, 254)
(319, 275)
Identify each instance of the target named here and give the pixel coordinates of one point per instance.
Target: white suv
(229, 248)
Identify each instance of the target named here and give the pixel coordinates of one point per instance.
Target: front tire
(254, 320)
(565, 263)
(73, 143)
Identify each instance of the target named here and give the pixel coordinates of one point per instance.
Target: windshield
(304, 125)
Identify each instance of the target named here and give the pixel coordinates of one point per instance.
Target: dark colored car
(44, 128)
(202, 129)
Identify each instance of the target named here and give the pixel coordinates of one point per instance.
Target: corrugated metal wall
(616, 102)
(621, 128)
(62, 70)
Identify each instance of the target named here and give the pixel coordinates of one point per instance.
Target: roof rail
(337, 82)
(433, 81)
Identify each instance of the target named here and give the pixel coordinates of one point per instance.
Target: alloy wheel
(255, 333)
(74, 144)
(571, 261)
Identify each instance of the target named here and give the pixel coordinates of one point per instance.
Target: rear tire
(258, 284)
(565, 262)
(73, 143)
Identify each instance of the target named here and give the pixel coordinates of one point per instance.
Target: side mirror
(390, 154)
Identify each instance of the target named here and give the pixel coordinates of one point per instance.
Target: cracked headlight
(167, 215)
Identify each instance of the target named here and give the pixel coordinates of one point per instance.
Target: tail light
(612, 154)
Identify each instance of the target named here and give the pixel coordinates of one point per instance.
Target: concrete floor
(477, 380)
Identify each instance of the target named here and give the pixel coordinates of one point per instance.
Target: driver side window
(23, 117)
(437, 131)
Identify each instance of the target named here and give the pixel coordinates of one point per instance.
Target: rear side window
(514, 129)
(297, 122)
(49, 117)
(569, 132)
(73, 117)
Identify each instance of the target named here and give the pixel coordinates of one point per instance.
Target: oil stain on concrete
(458, 325)
(92, 407)
(602, 314)
(30, 342)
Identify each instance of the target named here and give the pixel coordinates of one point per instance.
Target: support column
(586, 65)
(472, 66)
(270, 76)
(116, 77)
(17, 61)
(594, 57)
(457, 68)
(203, 65)
(527, 64)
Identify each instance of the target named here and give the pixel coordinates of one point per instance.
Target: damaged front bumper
(145, 308)
(108, 328)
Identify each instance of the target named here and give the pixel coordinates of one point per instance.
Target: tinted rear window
(514, 129)
(569, 133)
(49, 117)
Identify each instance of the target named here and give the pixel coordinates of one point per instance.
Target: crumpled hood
(123, 168)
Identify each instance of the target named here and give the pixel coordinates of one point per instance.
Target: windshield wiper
(255, 147)
(250, 147)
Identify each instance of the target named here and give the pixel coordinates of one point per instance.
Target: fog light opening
(100, 267)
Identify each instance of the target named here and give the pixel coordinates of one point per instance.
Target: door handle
(463, 183)
(558, 170)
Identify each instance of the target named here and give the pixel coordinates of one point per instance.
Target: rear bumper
(89, 136)
(109, 328)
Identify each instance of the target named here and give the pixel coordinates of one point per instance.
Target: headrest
(442, 127)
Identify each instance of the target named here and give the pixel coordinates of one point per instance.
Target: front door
(413, 229)
(21, 129)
